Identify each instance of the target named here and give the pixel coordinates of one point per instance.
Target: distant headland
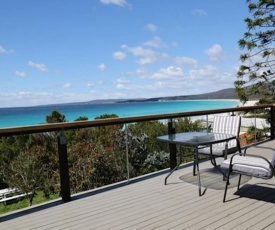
(226, 94)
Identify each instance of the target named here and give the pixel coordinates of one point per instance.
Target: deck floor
(149, 204)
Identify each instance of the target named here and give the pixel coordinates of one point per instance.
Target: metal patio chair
(250, 165)
(226, 125)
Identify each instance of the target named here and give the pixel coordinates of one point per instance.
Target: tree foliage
(27, 172)
(96, 155)
(187, 125)
(31, 167)
(255, 77)
(55, 117)
(81, 118)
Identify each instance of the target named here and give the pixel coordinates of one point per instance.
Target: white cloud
(120, 86)
(90, 84)
(141, 72)
(208, 70)
(175, 79)
(151, 27)
(20, 74)
(67, 85)
(121, 3)
(140, 51)
(215, 52)
(200, 12)
(155, 42)
(40, 67)
(146, 60)
(4, 51)
(186, 61)
(28, 98)
(171, 71)
(122, 80)
(174, 44)
(148, 56)
(119, 55)
(102, 67)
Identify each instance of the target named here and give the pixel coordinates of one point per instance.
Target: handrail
(115, 121)
(62, 146)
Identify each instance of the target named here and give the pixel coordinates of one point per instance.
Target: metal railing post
(255, 127)
(64, 169)
(272, 120)
(207, 124)
(172, 147)
(127, 153)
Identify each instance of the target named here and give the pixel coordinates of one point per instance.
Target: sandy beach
(259, 123)
(248, 103)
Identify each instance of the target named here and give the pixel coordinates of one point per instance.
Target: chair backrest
(228, 125)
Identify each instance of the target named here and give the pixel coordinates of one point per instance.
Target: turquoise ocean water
(24, 116)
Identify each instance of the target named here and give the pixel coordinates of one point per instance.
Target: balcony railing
(62, 148)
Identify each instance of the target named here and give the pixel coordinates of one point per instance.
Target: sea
(35, 115)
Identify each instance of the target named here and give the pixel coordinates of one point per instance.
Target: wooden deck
(149, 204)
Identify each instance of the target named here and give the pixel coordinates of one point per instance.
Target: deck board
(149, 204)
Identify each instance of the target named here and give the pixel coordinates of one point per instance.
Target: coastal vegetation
(96, 156)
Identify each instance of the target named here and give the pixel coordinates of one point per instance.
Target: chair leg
(195, 161)
(194, 168)
(239, 182)
(199, 179)
(196, 165)
(201, 193)
(226, 185)
(213, 161)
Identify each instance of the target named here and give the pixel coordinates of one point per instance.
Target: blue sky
(59, 51)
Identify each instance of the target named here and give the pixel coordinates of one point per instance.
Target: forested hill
(221, 94)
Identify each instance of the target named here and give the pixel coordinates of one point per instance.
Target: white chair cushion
(217, 150)
(253, 166)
